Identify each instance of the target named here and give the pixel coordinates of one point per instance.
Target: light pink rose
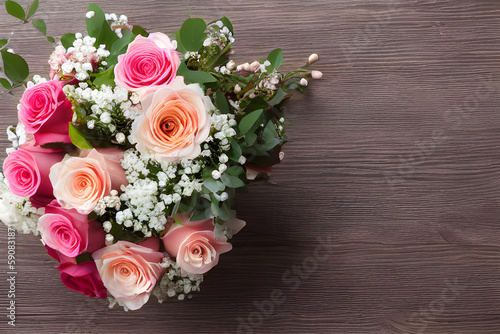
(79, 182)
(129, 272)
(67, 231)
(195, 245)
(27, 172)
(149, 62)
(174, 123)
(46, 112)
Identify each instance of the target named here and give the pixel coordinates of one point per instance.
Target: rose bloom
(197, 245)
(27, 172)
(64, 230)
(129, 272)
(83, 277)
(149, 62)
(46, 112)
(79, 182)
(174, 123)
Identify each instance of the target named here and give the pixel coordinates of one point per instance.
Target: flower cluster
(127, 161)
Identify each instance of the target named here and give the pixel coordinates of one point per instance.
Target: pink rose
(83, 278)
(46, 112)
(27, 172)
(129, 272)
(67, 231)
(149, 62)
(195, 245)
(79, 182)
(174, 123)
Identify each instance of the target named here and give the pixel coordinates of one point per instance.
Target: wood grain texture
(393, 162)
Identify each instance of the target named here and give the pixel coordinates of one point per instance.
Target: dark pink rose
(83, 278)
(68, 232)
(149, 62)
(195, 245)
(46, 112)
(27, 172)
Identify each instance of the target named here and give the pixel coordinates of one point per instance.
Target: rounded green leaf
(33, 9)
(40, 25)
(15, 9)
(5, 83)
(78, 139)
(249, 120)
(192, 34)
(67, 40)
(51, 39)
(14, 67)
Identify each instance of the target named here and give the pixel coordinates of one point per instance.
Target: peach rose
(174, 123)
(149, 62)
(197, 245)
(129, 272)
(79, 182)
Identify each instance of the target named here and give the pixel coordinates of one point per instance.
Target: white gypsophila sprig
(173, 284)
(17, 212)
(17, 135)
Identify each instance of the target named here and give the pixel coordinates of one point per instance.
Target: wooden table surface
(384, 216)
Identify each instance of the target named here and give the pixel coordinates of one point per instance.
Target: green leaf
(33, 9)
(180, 47)
(78, 139)
(67, 40)
(276, 59)
(119, 47)
(235, 152)
(221, 102)
(98, 27)
(40, 25)
(84, 257)
(249, 120)
(213, 185)
(15, 9)
(235, 171)
(194, 76)
(107, 78)
(192, 34)
(202, 210)
(136, 30)
(223, 211)
(51, 39)
(231, 181)
(227, 23)
(269, 132)
(3, 42)
(188, 204)
(14, 67)
(5, 83)
(278, 97)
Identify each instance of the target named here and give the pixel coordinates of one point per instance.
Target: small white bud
(242, 160)
(303, 82)
(90, 14)
(316, 74)
(313, 58)
(105, 117)
(224, 196)
(222, 168)
(216, 174)
(237, 88)
(109, 239)
(231, 65)
(120, 138)
(254, 66)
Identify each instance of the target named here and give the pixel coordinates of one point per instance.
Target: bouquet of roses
(127, 159)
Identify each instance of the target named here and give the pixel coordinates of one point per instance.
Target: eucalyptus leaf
(192, 34)
(235, 152)
(67, 40)
(15, 9)
(51, 39)
(269, 132)
(119, 47)
(137, 30)
(231, 181)
(40, 25)
(14, 67)
(5, 83)
(221, 102)
(202, 210)
(33, 9)
(194, 76)
(276, 59)
(3, 42)
(213, 185)
(107, 78)
(78, 139)
(249, 120)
